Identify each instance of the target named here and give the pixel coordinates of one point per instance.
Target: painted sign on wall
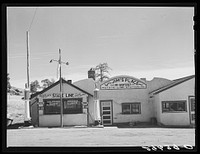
(64, 95)
(123, 83)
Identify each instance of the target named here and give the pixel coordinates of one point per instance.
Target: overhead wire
(32, 19)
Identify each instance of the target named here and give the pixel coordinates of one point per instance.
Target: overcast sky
(143, 42)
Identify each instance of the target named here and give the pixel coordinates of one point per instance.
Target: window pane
(135, 108)
(181, 106)
(106, 117)
(192, 104)
(165, 107)
(106, 112)
(106, 108)
(72, 106)
(131, 108)
(126, 109)
(171, 106)
(193, 116)
(51, 106)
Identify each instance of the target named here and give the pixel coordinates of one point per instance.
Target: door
(106, 112)
(192, 109)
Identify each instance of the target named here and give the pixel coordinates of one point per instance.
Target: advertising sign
(123, 83)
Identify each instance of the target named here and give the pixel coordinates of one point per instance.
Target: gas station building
(118, 100)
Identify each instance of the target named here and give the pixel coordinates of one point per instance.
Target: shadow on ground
(15, 126)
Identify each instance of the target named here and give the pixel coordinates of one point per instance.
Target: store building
(174, 104)
(45, 105)
(120, 99)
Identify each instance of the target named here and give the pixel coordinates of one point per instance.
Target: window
(131, 108)
(51, 106)
(171, 106)
(72, 106)
(192, 103)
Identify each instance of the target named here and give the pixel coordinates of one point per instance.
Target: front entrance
(106, 112)
(192, 109)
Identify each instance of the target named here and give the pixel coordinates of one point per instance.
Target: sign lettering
(64, 95)
(123, 83)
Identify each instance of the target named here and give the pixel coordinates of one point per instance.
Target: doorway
(106, 112)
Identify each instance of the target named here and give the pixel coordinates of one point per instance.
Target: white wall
(179, 92)
(157, 106)
(91, 110)
(125, 96)
(68, 120)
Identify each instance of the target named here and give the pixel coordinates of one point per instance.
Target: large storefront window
(171, 106)
(52, 106)
(70, 106)
(131, 108)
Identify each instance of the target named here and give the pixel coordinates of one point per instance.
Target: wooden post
(61, 103)
(27, 87)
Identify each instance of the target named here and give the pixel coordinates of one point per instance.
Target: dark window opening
(170, 106)
(131, 108)
(70, 106)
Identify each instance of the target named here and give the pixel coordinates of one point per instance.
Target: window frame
(164, 103)
(131, 108)
(81, 108)
(45, 108)
(46, 112)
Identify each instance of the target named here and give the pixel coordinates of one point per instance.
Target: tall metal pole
(61, 103)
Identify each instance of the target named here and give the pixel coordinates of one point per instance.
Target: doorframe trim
(111, 109)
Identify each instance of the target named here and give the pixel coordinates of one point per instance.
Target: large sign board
(119, 83)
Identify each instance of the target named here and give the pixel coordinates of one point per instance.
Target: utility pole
(27, 86)
(61, 103)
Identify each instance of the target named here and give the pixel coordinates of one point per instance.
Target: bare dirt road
(107, 136)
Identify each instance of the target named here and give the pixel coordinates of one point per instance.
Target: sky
(143, 42)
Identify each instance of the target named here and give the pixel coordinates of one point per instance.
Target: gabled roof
(174, 83)
(86, 84)
(56, 83)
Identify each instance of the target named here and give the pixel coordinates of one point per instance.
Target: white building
(122, 99)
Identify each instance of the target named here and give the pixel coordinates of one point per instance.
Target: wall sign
(64, 95)
(123, 83)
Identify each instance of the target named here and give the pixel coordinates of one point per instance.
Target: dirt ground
(15, 108)
(107, 136)
(90, 137)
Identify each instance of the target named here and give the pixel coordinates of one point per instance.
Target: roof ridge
(57, 82)
(172, 84)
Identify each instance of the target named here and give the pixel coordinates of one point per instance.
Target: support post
(97, 116)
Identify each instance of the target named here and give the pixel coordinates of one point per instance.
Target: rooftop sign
(123, 83)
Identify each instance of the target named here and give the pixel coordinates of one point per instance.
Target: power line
(32, 20)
